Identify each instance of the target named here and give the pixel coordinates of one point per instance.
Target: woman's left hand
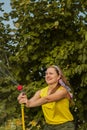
(22, 98)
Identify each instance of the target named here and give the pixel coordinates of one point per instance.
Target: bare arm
(36, 100)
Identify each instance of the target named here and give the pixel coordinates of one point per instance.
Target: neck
(52, 88)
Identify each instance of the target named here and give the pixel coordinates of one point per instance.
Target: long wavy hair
(63, 82)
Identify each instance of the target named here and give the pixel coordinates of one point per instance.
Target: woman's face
(51, 76)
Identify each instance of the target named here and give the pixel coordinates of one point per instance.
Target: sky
(7, 8)
(6, 5)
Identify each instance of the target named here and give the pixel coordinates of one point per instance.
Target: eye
(50, 73)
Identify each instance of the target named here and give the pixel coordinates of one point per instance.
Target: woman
(54, 99)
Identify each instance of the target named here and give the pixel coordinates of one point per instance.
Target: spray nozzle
(19, 87)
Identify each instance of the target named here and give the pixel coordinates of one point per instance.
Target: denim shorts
(65, 126)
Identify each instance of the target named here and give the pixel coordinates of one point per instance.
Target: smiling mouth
(49, 79)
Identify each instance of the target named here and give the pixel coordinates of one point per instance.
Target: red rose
(19, 87)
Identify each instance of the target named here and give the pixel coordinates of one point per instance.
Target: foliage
(46, 32)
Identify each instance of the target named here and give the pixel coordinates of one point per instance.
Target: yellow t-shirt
(56, 112)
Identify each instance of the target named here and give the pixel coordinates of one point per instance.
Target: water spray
(5, 73)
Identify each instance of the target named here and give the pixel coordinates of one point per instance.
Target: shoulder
(43, 91)
(64, 90)
(61, 88)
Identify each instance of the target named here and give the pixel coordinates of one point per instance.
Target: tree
(51, 32)
(6, 49)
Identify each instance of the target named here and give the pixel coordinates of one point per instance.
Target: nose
(47, 76)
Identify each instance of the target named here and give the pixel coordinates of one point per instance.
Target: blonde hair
(63, 82)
